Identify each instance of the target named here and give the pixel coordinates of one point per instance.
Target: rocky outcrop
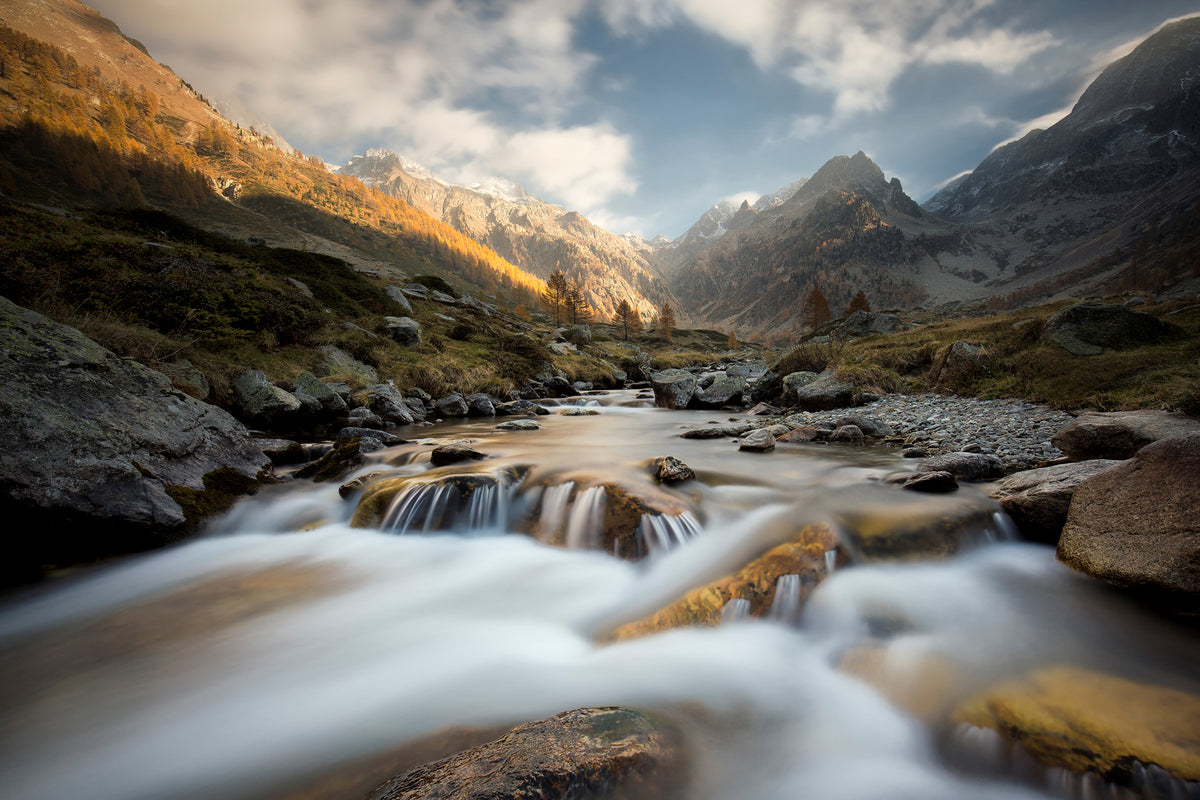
(724, 390)
(868, 323)
(966, 466)
(1135, 525)
(1089, 328)
(100, 454)
(1037, 500)
(404, 330)
(1090, 722)
(1119, 434)
(589, 752)
(673, 388)
(260, 402)
(822, 394)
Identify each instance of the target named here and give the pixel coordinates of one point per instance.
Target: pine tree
(815, 312)
(732, 344)
(577, 308)
(666, 321)
(555, 295)
(628, 318)
(858, 303)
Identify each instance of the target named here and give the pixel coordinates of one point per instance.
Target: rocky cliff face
(535, 235)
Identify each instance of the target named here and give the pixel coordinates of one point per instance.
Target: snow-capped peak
(502, 189)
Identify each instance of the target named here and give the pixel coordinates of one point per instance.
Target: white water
(115, 689)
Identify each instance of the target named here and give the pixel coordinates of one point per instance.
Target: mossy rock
(901, 526)
(755, 583)
(378, 497)
(1089, 721)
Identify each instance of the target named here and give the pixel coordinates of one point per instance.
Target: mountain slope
(538, 236)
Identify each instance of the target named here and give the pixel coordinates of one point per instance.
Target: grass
(1017, 363)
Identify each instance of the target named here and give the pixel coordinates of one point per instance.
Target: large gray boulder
(386, 402)
(966, 466)
(397, 294)
(403, 330)
(260, 402)
(1038, 499)
(673, 388)
(724, 390)
(869, 323)
(341, 365)
(791, 384)
(1089, 328)
(98, 454)
(1119, 434)
(330, 401)
(1135, 525)
(823, 394)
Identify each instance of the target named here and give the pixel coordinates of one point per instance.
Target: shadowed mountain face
(535, 235)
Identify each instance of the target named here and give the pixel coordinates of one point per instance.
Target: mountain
(537, 236)
(843, 229)
(74, 130)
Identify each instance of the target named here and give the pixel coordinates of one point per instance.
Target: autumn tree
(732, 344)
(555, 295)
(815, 312)
(858, 303)
(577, 308)
(666, 321)
(627, 318)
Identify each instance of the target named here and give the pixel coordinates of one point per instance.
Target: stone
(453, 405)
(767, 389)
(350, 487)
(283, 452)
(403, 330)
(722, 391)
(1119, 434)
(388, 439)
(364, 417)
(386, 402)
(480, 405)
(962, 361)
(669, 469)
(870, 426)
(589, 752)
(966, 466)
(803, 434)
(764, 410)
(578, 335)
(914, 452)
(343, 366)
(673, 388)
(576, 411)
(563, 348)
(516, 407)
(453, 453)
(518, 425)
(848, 433)
(416, 290)
(260, 402)
(869, 323)
(442, 297)
(1086, 721)
(187, 378)
(557, 386)
(1135, 525)
(397, 294)
(931, 482)
(346, 456)
(823, 393)
(101, 455)
(378, 498)
(1089, 328)
(1037, 500)
(717, 431)
(331, 403)
(759, 441)
(791, 383)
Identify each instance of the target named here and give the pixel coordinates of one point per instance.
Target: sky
(642, 114)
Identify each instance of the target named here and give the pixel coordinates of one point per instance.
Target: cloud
(853, 50)
(467, 88)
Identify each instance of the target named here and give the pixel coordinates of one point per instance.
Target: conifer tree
(858, 303)
(815, 312)
(732, 344)
(555, 295)
(628, 318)
(577, 307)
(666, 321)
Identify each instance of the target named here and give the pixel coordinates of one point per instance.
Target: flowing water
(287, 644)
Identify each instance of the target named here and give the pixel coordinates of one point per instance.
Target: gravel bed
(1017, 432)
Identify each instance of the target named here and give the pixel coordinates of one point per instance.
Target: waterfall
(585, 525)
(664, 531)
(736, 609)
(830, 561)
(422, 507)
(554, 509)
(785, 607)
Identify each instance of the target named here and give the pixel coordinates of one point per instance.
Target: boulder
(448, 503)
(870, 426)
(518, 425)
(588, 752)
(1135, 525)
(966, 466)
(453, 405)
(260, 402)
(404, 330)
(824, 393)
(1089, 328)
(453, 453)
(759, 441)
(1120, 730)
(717, 431)
(517, 407)
(363, 417)
(669, 469)
(767, 388)
(962, 361)
(869, 323)
(791, 383)
(480, 405)
(340, 364)
(1038, 499)
(388, 439)
(803, 434)
(576, 411)
(99, 454)
(283, 452)
(851, 434)
(331, 403)
(416, 290)
(386, 402)
(673, 388)
(346, 456)
(578, 335)
(557, 386)
(764, 410)
(724, 390)
(930, 482)
(187, 378)
(1119, 434)
(397, 294)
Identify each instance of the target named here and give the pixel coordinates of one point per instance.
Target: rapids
(246, 663)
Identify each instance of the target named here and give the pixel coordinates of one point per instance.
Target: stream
(285, 644)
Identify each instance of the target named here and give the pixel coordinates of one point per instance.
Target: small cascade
(554, 509)
(736, 609)
(786, 605)
(423, 507)
(1005, 530)
(830, 561)
(664, 531)
(585, 524)
(487, 508)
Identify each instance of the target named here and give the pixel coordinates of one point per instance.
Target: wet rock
(453, 405)
(363, 417)
(1089, 328)
(767, 389)
(480, 405)
(417, 408)
(1119, 434)
(717, 431)
(589, 752)
(1135, 525)
(454, 492)
(361, 482)
(756, 583)
(930, 482)
(848, 434)
(884, 525)
(723, 390)
(803, 434)
(99, 454)
(1037, 500)
(1087, 721)
(453, 453)
(582, 387)
(759, 441)
(403, 330)
(764, 410)
(262, 403)
(557, 386)
(386, 402)
(283, 452)
(673, 388)
(914, 452)
(518, 425)
(517, 407)
(576, 411)
(387, 439)
(966, 466)
(346, 367)
(346, 456)
(669, 469)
